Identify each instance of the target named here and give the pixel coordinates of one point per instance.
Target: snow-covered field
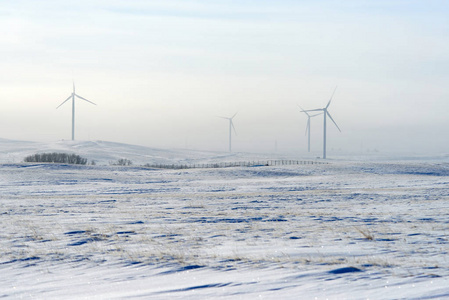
(346, 230)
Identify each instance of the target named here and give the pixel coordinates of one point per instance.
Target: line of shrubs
(57, 158)
(121, 162)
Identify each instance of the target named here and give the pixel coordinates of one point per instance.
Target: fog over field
(161, 72)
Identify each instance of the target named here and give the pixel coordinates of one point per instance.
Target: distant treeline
(57, 158)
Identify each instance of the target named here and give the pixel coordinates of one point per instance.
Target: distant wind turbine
(325, 113)
(231, 126)
(72, 96)
(308, 125)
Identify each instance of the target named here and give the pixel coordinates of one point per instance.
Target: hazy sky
(162, 71)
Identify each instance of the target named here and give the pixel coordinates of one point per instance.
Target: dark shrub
(54, 157)
(122, 162)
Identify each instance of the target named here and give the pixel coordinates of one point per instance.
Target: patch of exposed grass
(367, 234)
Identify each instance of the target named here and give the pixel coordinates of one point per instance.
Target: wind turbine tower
(326, 114)
(231, 127)
(308, 125)
(72, 96)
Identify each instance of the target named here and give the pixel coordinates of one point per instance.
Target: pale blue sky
(161, 71)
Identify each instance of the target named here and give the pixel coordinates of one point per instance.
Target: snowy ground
(347, 230)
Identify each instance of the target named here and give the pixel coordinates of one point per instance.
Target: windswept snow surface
(346, 230)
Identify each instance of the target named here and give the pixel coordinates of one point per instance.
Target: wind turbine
(326, 114)
(231, 126)
(308, 125)
(72, 96)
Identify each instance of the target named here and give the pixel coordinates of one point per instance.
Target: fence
(236, 164)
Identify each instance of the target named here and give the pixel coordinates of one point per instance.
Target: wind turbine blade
(84, 99)
(302, 110)
(234, 115)
(73, 81)
(318, 109)
(64, 101)
(316, 115)
(232, 124)
(331, 98)
(333, 120)
(308, 125)
(223, 117)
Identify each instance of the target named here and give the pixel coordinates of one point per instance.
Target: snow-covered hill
(103, 153)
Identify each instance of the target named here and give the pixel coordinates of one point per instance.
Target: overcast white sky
(162, 71)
